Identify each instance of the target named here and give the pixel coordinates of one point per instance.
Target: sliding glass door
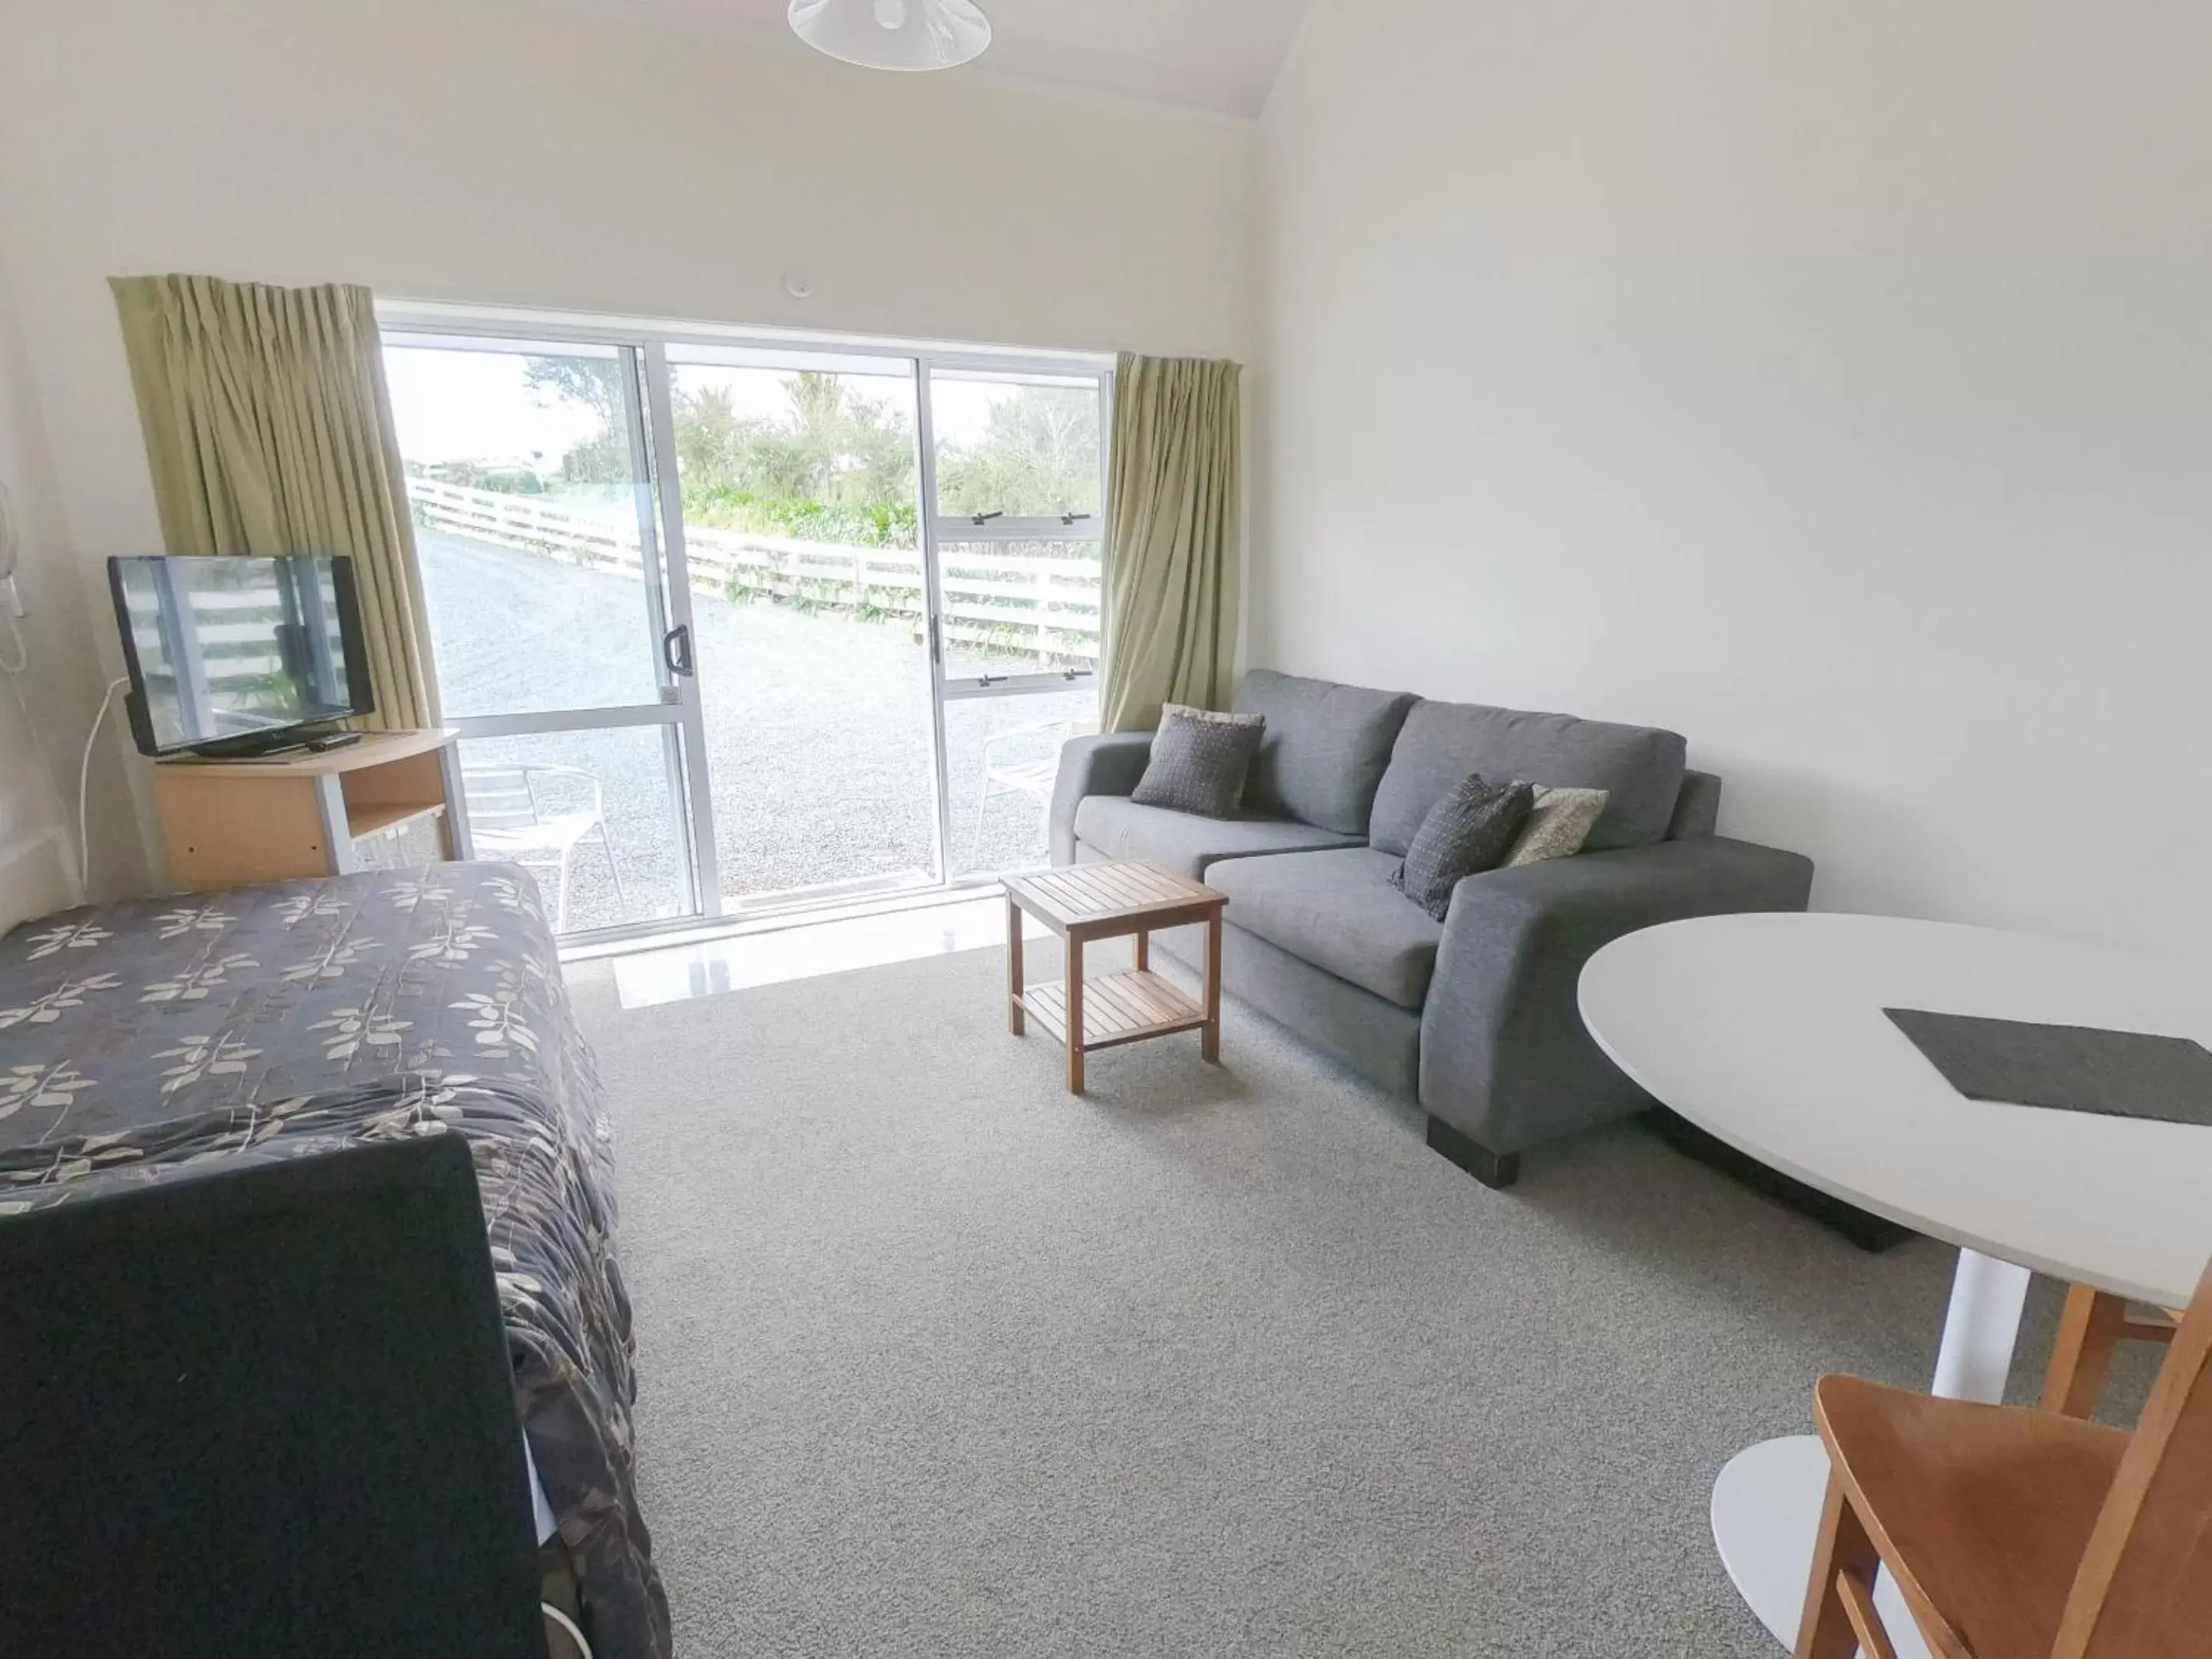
(798, 475)
(731, 626)
(559, 644)
(1017, 490)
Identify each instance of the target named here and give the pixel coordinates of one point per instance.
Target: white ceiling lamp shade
(893, 34)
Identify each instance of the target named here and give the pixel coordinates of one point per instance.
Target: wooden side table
(1086, 901)
(227, 822)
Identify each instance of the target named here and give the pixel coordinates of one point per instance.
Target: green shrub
(475, 475)
(729, 507)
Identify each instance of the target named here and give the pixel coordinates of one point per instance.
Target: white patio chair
(1033, 776)
(509, 819)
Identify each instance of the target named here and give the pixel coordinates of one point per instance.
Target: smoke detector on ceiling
(893, 34)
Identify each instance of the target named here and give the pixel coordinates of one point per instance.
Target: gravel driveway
(818, 734)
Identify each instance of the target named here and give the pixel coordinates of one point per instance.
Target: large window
(850, 598)
(1017, 489)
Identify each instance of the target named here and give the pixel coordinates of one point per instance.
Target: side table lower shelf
(1117, 1008)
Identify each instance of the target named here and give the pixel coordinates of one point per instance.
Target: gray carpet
(936, 1360)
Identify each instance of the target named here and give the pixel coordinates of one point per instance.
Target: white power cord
(569, 1624)
(83, 786)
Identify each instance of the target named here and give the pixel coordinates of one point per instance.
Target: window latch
(988, 679)
(986, 518)
(1070, 518)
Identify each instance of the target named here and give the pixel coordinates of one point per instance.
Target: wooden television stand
(394, 797)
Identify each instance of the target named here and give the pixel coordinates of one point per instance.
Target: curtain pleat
(1170, 586)
(269, 431)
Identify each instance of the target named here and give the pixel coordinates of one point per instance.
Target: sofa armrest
(1505, 1057)
(1109, 763)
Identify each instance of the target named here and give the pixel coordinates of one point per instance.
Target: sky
(473, 406)
(470, 405)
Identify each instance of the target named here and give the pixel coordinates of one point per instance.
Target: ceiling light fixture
(893, 34)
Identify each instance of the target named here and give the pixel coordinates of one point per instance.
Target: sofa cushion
(1339, 911)
(1324, 749)
(1118, 827)
(1697, 808)
(1200, 762)
(1638, 766)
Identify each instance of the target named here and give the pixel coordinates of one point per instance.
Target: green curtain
(1169, 607)
(268, 431)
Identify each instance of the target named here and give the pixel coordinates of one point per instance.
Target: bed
(140, 1041)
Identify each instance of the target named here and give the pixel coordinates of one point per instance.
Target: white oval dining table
(1767, 1031)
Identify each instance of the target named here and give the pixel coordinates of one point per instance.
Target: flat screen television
(235, 655)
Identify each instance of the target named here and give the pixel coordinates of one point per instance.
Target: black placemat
(2071, 1068)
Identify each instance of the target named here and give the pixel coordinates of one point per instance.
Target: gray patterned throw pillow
(1198, 761)
(1470, 830)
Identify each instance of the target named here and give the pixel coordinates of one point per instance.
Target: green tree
(1038, 456)
(595, 383)
(714, 445)
(836, 465)
(857, 451)
(832, 447)
(832, 466)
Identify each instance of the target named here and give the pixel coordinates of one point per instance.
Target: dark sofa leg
(1495, 1170)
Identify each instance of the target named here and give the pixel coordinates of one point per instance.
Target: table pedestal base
(1766, 1519)
(1767, 1503)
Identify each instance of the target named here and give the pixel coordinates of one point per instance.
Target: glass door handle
(676, 651)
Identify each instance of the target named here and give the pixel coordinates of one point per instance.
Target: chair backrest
(2144, 1590)
(500, 798)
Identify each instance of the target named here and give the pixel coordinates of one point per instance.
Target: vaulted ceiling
(1218, 55)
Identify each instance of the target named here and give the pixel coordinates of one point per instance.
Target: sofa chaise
(1474, 1018)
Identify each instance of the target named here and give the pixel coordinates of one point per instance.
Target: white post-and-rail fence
(1008, 603)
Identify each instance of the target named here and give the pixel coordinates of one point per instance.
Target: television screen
(230, 650)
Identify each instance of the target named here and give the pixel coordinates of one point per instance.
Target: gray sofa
(1474, 1018)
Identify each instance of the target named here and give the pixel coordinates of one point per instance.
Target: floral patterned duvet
(138, 1041)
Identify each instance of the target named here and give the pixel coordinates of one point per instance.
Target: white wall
(44, 705)
(1831, 384)
(493, 150)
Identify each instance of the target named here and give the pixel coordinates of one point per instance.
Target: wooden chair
(2017, 1533)
(2095, 1324)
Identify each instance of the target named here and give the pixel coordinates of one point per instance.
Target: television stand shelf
(394, 798)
